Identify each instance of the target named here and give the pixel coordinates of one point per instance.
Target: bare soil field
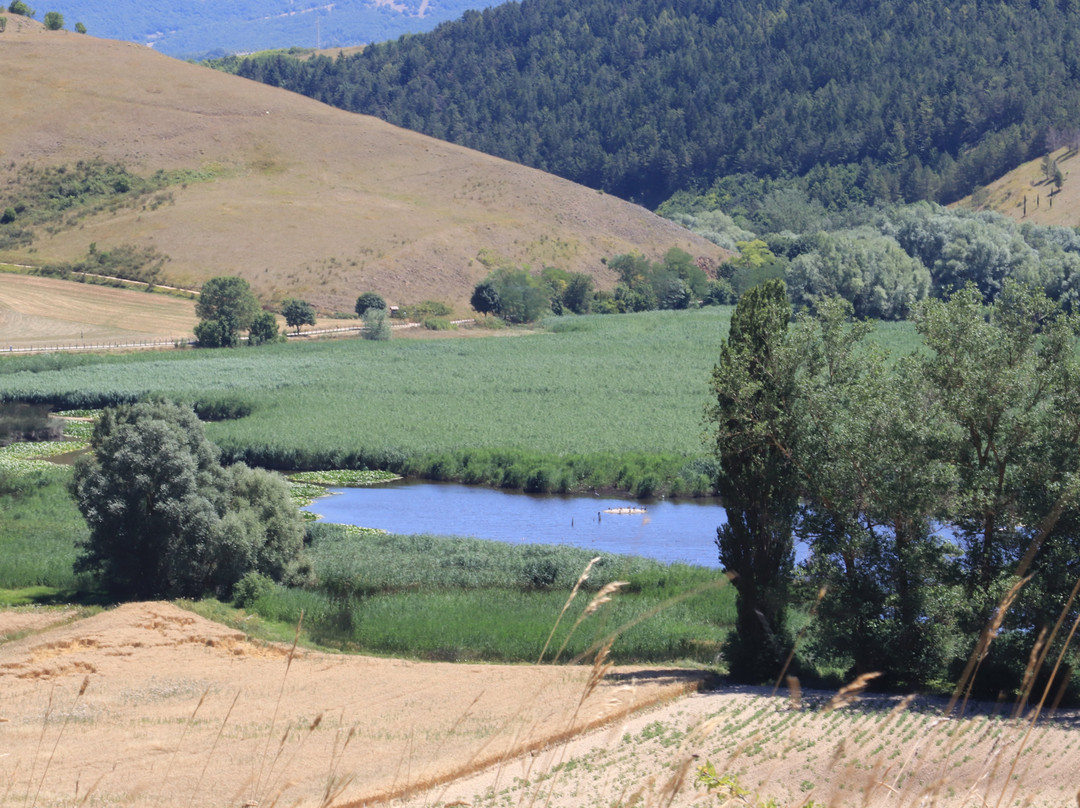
(149, 704)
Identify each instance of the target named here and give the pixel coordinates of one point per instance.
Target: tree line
(883, 259)
(937, 493)
(874, 101)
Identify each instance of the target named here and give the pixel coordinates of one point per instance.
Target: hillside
(886, 101)
(301, 199)
(1046, 205)
(198, 29)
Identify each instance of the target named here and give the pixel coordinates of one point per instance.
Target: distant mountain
(894, 100)
(201, 28)
(223, 176)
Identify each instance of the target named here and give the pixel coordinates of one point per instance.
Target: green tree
(485, 297)
(226, 307)
(578, 296)
(298, 313)
(864, 267)
(166, 519)
(1005, 378)
(20, 8)
(873, 485)
(80, 28)
(754, 385)
(54, 20)
(369, 300)
(264, 328)
(513, 294)
(377, 324)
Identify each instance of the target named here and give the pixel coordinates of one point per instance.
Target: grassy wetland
(608, 402)
(464, 409)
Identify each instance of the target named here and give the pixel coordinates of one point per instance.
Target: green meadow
(612, 402)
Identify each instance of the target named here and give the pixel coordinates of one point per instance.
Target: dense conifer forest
(897, 100)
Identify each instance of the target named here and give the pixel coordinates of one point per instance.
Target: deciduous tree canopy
(167, 519)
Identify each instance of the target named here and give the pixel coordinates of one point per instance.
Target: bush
(222, 408)
(3, 27)
(423, 310)
(80, 28)
(251, 588)
(263, 329)
(54, 20)
(20, 8)
(376, 324)
(214, 334)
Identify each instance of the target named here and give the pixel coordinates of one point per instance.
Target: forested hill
(893, 99)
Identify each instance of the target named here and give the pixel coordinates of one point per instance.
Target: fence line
(179, 342)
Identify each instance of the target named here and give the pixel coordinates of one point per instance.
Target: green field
(599, 401)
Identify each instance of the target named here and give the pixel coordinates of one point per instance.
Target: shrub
(250, 588)
(222, 408)
(423, 310)
(376, 324)
(20, 8)
(263, 329)
(80, 28)
(54, 20)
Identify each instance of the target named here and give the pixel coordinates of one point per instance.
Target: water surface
(669, 531)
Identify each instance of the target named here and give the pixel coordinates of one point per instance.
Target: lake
(682, 531)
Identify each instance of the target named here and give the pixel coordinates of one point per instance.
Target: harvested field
(178, 710)
(36, 310)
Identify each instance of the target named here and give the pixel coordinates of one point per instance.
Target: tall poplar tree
(754, 382)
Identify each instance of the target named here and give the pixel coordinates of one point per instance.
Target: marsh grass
(434, 597)
(39, 529)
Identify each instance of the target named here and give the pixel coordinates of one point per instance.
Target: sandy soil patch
(24, 621)
(177, 710)
(876, 752)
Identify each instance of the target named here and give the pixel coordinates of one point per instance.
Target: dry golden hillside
(1007, 194)
(306, 200)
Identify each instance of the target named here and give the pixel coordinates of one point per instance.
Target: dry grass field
(44, 310)
(1006, 194)
(152, 705)
(299, 198)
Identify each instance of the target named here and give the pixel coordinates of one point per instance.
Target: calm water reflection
(670, 531)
